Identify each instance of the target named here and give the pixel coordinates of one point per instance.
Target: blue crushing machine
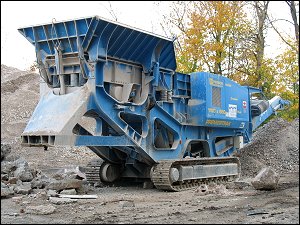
(114, 89)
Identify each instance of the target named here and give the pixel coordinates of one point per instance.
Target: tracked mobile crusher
(114, 89)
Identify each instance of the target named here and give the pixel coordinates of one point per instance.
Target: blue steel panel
(197, 104)
(166, 58)
(45, 47)
(40, 33)
(82, 140)
(118, 38)
(54, 32)
(71, 28)
(60, 28)
(232, 94)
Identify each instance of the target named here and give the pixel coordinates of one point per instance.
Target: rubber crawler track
(161, 178)
(92, 171)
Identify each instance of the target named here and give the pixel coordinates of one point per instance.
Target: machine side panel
(217, 101)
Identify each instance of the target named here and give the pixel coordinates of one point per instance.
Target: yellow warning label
(217, 83)
(218, 122)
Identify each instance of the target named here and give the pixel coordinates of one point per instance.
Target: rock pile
(8, 73)
(18, 178)
(275, 145)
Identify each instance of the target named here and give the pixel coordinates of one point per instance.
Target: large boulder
(21, 162)
(70, 173)
(6, 191)
(23, 173)
(65, 184)
(69, 192)
(266, 179)
(5, 150)
(24, 188)
(8, 167)
(41, 181)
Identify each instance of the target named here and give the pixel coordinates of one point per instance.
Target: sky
(16, 51)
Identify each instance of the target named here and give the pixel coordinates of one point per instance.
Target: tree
(217, 36)
(295, 20)
(261, 9)
(288, 74)
(295, 23)
(288, 61)
(110, 10)
(252, 63)
(209, 35)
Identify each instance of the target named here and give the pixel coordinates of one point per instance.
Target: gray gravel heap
(274, 144)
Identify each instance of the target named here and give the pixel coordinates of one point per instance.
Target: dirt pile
(274, 144)
(19, 96)
(10, 73)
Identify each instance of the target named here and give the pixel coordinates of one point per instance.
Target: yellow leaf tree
(213, 36)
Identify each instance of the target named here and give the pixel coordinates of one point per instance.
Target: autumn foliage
(228, 38)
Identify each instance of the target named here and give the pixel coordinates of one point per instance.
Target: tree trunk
(261, 11)
(296, 25)
(294, 16)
